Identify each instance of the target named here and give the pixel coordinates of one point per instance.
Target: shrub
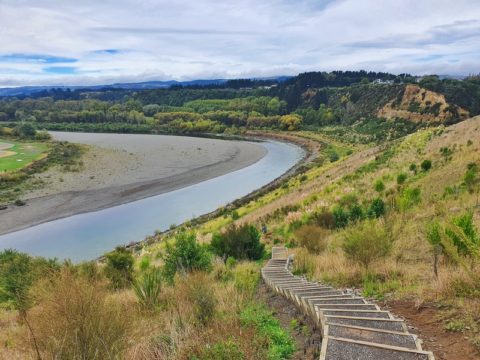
(376, 208)
(340, 216)
(356, 213)
(200, 294)
(409, 198)
(144, 263)
(147, 288)
(240, 242)
(18, 272)
(413, 168)
(366, 243)
(324, 218)
(379, 186)
(333, 157)
(246, 277)
(303, 263)
(185, 255)
(426, 165)
(76, 319)
(119, 267)
(312, 238)
(401, 178)
(469, 243)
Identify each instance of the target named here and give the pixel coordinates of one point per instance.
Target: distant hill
(145, 85)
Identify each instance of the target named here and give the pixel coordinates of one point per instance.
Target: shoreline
(64, 204)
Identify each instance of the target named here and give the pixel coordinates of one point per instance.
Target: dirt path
(426, 322)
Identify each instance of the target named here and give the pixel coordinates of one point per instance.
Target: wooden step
(345, 349)
(392, 338)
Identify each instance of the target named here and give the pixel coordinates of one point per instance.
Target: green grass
(280, 343)
(25, 154)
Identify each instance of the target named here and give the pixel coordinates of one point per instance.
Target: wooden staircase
(351, 327)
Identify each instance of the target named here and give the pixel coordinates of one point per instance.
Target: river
(89, 235)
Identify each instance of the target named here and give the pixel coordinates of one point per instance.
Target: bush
(147, 288)
(77, 319)
(340, 216)
(401, 178)
(324, 218)
(356, 213)
(240, 242)
(312, 238)
(376, 208)
(200, 294)
(379, 186)
(409, 198)
(426, 165)
(469, 243)
(413, 168)
(303, 263)
(246, 277)
(119, 267)
(366, 243)
(18, 272)
(184, 256)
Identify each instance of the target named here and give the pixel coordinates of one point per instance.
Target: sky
(85, 42)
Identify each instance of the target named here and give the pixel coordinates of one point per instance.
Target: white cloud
(128, 40)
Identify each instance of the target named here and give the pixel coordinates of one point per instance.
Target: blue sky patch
(63, 70)
(36, 58)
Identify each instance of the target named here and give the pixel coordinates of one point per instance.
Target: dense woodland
(307, 101)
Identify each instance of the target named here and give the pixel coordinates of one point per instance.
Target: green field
(20, 154)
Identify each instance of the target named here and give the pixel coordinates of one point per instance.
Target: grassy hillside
(399, 221)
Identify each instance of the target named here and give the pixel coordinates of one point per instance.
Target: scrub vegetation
(386, 206)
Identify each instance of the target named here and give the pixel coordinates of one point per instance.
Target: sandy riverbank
(119, 168)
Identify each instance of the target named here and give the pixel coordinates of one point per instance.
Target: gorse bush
(367, 242)
(312, 238)
(148, 288)
(240, 242)
(119, 267)
(185, 255)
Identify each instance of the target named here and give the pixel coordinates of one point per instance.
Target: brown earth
(427, 323)
(425, 99)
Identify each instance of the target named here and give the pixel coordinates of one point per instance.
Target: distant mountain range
(29, 90)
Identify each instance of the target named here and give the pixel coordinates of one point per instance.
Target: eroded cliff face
(420, 105)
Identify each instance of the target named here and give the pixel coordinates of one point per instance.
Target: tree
(119, 267)
(290, 122)
(185, 255)
(376, 208)
(240, 242)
